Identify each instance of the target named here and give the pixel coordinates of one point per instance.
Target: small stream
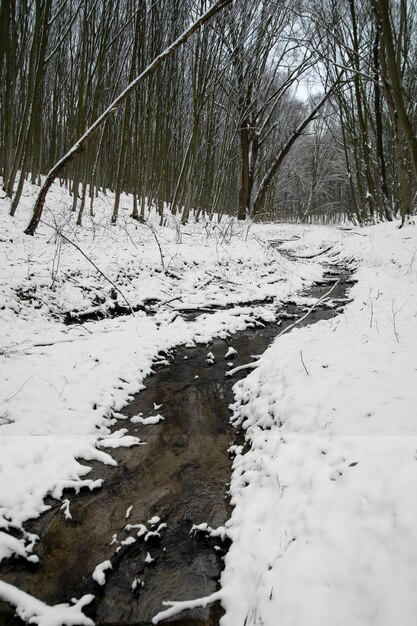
(180, 476)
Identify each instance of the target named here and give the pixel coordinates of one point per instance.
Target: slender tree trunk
(386, 210)
(82, 203)
(244, 198)
(124, 141)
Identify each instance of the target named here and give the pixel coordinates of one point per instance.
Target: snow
(176, 607)
(147, 421)
(119, 439)
(99, 574)
(128, 542)
(33, 611)
(220, 531)
(149, 559)
(323, 528)
(66, 508)
(137, 582)
(10, 545)
(325, 491)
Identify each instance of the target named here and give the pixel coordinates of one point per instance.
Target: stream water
(180, 476)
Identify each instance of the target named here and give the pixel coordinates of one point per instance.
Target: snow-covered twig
(303, 317)
(239, 368)
(304, 365)
(153, 231)
(311, 256)
(286, 330)
(411, 263)
(394, 320)
(33, 611)
(177, 607)
(66, 508)
(163, 302)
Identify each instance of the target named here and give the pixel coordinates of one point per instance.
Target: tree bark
(244, 170)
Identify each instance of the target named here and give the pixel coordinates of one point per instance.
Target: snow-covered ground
(325, 499)
(324, 526)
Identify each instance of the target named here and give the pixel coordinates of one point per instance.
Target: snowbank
(325, 499)
(33, 611)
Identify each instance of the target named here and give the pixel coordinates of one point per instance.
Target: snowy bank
(325, 498)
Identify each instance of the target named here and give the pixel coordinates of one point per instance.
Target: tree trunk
(244, 198)
(386, 209)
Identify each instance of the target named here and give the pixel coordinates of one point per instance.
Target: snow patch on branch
(33, 611)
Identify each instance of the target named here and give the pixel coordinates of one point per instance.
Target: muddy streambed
(180, 476)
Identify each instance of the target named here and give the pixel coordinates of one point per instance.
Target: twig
(179, 606)
(248, 366)
(149, 225)
(310, 256)
(92, 263)
(394, 321)
(304, 365)
(301, 319)
(56, 260)
(349, 231)
(9, 397)
(179, 298)
(372, 314)
(287, 329)
(83, 327)
(411, 262)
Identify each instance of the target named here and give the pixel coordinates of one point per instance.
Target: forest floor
(324, 492)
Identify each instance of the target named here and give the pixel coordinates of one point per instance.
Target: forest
(275, 109)
(208, 305)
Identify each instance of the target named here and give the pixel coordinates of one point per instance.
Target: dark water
(181, 476)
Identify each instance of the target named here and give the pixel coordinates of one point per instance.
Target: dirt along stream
(180, 476)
